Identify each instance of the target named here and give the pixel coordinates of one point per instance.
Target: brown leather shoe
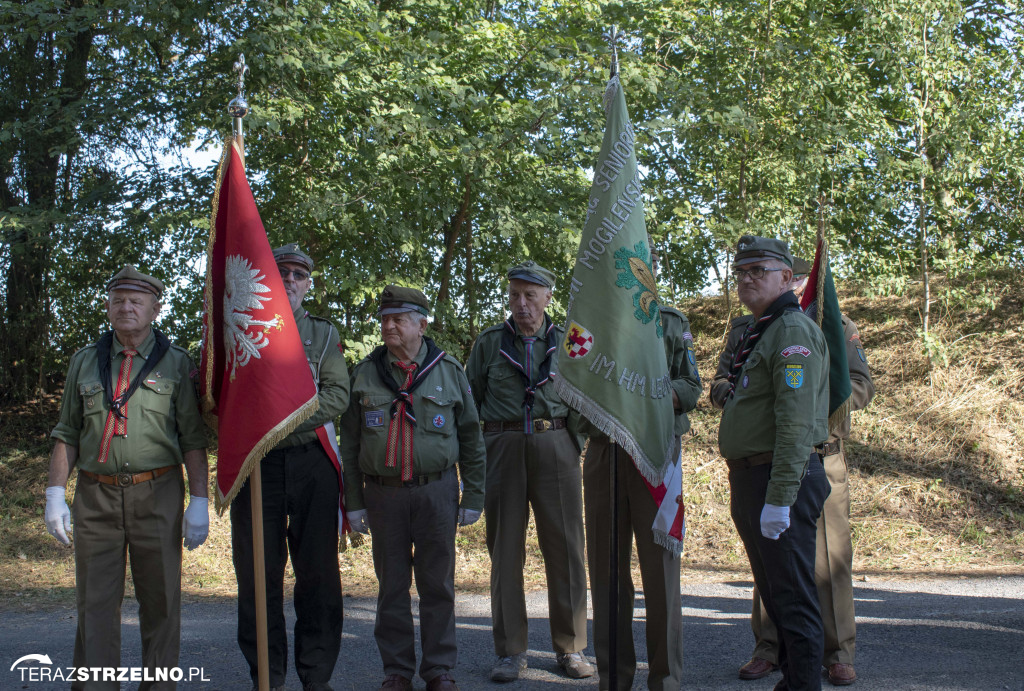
(757, 668)
(841, 674)
(396, 682)
(442, 682)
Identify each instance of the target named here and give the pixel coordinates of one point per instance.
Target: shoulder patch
(855, 337)
(687, 336)
(794, 376)
(796, 350)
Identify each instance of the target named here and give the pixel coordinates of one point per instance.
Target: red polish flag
(256, 387)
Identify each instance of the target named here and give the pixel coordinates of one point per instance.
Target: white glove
(195, 525)
(357, 521)
(58, 515)
(468, 517)
(774, 521)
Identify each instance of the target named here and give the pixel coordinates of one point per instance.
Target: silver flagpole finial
(239, 107)
(613, 36)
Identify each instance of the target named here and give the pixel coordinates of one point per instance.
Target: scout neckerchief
(401, 405)
(117, 400)
(525, 368)
(786, 302)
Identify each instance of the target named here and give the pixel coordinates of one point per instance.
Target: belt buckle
(124, 479)
(542, 425)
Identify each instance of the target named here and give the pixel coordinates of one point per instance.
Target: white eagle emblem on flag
(578, 341)
(242, 285)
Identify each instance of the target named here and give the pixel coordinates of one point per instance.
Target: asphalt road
(936, 635)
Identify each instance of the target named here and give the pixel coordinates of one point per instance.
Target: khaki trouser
(833, 575)
(659, 572)
(543, 471)
(114, 526)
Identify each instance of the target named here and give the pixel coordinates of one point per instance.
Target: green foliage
(435, 144)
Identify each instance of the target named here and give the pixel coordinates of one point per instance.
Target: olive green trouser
(541, 470)
(659, 573)
(112, 525)
(833, 574)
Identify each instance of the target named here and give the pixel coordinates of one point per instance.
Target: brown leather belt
(397, 481)
(538, 425)
(750, 461)
(128, 479)
(829, 448)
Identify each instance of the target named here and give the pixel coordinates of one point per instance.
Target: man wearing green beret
(532, 461)
(411, 422)
(774, 416)
(301, 507)
(128, 501)
(834, 556)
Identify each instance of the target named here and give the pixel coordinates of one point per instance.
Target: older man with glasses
(301, 510)
(774, 420)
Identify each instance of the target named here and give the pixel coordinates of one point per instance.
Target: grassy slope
(936, 468)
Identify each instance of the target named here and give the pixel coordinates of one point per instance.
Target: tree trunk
(25, 331)
(453, 228)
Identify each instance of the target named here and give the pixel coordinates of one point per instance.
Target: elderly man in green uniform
(130, 493)
(533, 459)
(834, 559)
(412, 420)
(774, 417)
(301, 512)
(659, 567)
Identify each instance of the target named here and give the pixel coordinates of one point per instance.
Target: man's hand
(357, 521)
(58, 515)
(195, 525)
(468, 517)
(774, 521)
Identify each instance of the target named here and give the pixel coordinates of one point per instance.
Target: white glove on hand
(357, 521)
(58, 515)
(468, 517)
(774, 521)
(195, 525)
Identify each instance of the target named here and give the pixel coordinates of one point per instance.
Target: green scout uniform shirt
(163, 414)
(682, 368)
(330, 372)
(447, 429)
(498, 387)
(860, 375)
(780, 403)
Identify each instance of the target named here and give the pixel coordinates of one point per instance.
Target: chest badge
(439, 421)
(746, 380)
(794, 376)
(90, 403)
(374, 418)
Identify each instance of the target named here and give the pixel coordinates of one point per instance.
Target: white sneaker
(508, 668)
(575, 665)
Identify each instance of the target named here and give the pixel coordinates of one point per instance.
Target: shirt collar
(144, 349)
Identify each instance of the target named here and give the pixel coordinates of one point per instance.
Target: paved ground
(937, 635)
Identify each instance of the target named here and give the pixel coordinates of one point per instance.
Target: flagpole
(239, 108)
(613, 553)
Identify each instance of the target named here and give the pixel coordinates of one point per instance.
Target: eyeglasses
(298, 275)
(756, 273)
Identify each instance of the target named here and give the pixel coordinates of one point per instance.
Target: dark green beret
(801, 267)
(292, 254)
(396, 299)
(752, 248)
(532, 272)
(130, 278)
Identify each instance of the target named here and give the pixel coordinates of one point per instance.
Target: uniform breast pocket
(157, 395)
(92, 397)
(439, 415)
(754, 378)
(500, 372)
(376, 412)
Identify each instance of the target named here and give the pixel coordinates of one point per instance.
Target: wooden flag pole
(238, 109)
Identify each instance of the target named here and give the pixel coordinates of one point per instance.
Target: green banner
(612, 367)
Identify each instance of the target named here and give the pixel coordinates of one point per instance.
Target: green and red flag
(613, 367)
(821, 302)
